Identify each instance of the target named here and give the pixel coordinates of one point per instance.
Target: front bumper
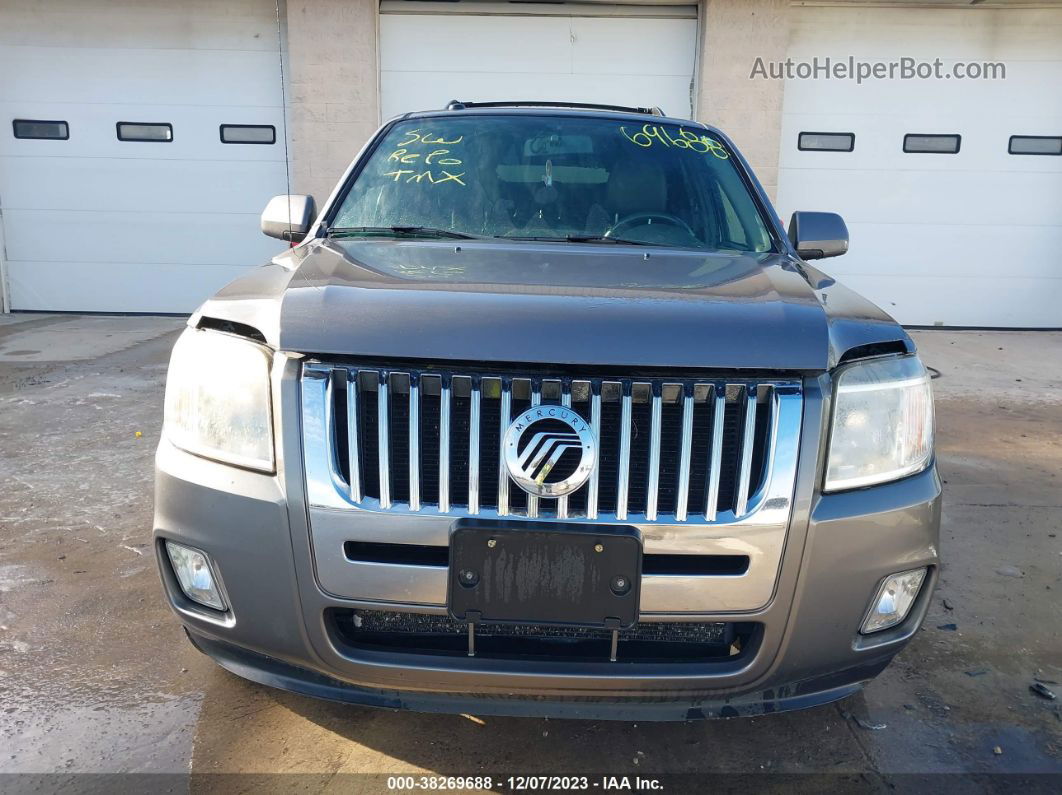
(810, 651)
(285, 676)
(838, 548)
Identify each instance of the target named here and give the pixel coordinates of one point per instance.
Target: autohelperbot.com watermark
(852, 68)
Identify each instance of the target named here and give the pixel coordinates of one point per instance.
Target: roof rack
(458, 105)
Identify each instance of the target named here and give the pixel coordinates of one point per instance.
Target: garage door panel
(672, 94)
(96, 224)
(961, 239)
(427, 60)
(115, 287)
(879, 139)
(971, 301)
(669, 40)
(190, 24)
(918, 101)
(466, 43)
(196, 132)
(999, 34)
(431, 91)
(919, 197)
(138, 238)
(879, 145)
(206, 77)
(904, 250)
(124, 185)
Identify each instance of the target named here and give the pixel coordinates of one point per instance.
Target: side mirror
(289, 217)
(818, 235)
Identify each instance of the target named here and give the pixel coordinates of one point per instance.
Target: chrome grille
(428, 441)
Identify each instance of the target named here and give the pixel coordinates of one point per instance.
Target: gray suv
(544, 413)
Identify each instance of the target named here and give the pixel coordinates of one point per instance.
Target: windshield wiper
(580, 239)
(398, 231)
(605, 239)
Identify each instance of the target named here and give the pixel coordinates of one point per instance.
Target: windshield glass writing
(556, 178)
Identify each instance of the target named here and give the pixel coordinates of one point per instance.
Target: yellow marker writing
(650, 134)
(416, 136)
(401, 156)
(451, 178)
(445, 161)
(424, 176)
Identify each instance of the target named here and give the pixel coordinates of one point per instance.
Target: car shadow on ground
(244, 727)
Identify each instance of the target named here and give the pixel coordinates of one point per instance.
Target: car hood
(545, 303)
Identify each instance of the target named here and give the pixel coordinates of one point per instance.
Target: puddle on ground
(149, 737)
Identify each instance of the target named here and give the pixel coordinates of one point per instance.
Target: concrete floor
(96, 676)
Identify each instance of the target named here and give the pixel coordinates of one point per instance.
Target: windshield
(554, 178)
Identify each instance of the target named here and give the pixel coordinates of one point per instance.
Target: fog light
(195, 575)
(893, 600)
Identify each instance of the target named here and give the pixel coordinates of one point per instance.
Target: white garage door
(431, 53)
(964, 239)
(95, 223)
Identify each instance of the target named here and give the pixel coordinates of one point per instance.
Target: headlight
(217, 399)
(882, 423)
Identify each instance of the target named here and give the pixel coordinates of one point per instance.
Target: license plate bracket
(547, 573)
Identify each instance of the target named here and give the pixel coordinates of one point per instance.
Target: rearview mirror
(289, 217)
(818, 235)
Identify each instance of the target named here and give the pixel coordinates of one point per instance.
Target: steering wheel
(634, 218)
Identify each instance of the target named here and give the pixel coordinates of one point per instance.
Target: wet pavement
(96, 676)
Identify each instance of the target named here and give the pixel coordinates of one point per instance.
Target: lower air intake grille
(416, 633)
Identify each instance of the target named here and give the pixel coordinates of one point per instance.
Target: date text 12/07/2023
(528, 783)
(420, 149)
